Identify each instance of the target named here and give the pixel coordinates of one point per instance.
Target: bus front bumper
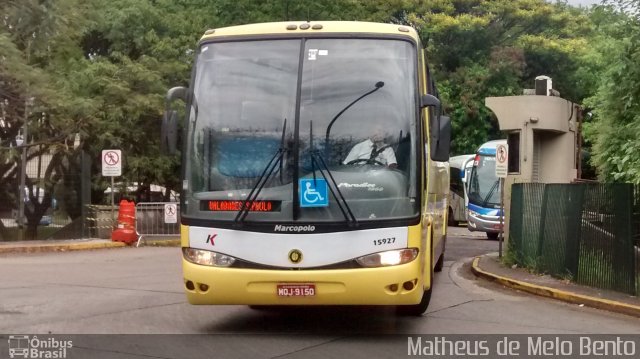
(362, 286)
(480, 223)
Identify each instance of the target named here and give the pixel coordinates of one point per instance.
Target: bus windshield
(298, 104)
(484, 186)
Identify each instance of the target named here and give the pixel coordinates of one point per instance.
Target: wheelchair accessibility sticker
(314, 193)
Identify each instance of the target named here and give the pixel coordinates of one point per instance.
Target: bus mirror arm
(169, 127)
(430, 101)
(175, 93)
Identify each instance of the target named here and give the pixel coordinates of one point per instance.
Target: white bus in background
(460, 168)
(483, 190)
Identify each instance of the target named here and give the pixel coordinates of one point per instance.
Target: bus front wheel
(439, 263)
(417, 310)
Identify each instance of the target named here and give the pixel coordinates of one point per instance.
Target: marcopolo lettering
(281, 228)
(356, 185)
(368, 186)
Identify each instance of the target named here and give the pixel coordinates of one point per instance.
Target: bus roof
(459, 161)
(294, 28)
(489, 148)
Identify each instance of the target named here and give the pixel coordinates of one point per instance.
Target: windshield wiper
(316, 158)
(485, 201)
(377, 87)
(262, 180)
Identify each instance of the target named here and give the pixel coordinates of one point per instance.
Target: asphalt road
(139, 291)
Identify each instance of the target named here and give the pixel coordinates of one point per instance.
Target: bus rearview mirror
(441, 143)
(169, 127)
(169, 132)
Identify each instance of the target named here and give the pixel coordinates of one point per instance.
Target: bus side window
(455, 182)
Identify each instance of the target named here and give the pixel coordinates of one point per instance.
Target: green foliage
(496, 48)
(615, 131)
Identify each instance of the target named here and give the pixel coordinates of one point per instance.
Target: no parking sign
(111, 163)
(502, 158)
(170, 213)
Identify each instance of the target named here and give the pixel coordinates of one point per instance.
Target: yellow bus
(309, 167)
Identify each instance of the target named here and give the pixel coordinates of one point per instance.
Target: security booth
(542, 134)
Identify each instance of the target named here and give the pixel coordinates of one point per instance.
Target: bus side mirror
(441, 143)
(169, 128)
(440, 127)
(169, 132)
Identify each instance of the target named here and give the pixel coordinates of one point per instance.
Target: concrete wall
(545, 121)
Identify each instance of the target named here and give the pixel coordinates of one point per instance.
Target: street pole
(500, 238)
(23, 178)
(113, 219)
(23, 174)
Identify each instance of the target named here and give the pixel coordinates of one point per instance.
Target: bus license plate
(296, 290)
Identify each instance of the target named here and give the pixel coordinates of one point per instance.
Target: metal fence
(151, 220)
(100, 221)
(584, 232)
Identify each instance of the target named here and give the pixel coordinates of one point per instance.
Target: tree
(615, 131)
(481, 48)
(36, 38)
(133, 52)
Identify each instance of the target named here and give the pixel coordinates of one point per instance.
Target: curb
(558, 294)
(160, 243)
(59, 247)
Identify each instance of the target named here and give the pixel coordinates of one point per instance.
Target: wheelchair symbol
(311, 192)
(313, 196)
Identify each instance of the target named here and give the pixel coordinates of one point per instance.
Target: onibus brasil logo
(23, 346)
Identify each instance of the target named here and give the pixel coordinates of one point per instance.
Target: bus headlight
(388, 258)
(207, 258)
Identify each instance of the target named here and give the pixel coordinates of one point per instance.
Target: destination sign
(251, 206)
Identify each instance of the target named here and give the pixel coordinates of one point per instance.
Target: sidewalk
(488, 267)
(79, 244)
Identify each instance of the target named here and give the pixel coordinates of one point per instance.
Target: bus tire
(416, 310)
(451, 222)
(439, 264)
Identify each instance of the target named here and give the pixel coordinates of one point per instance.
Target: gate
(150, 220)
